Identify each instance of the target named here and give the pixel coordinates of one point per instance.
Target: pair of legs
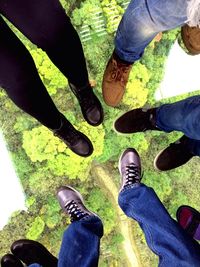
(142, 21)
(164, 236)
(46, 25)
(180, 116)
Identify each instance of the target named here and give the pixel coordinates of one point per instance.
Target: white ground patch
(12, 196)
(181, 74)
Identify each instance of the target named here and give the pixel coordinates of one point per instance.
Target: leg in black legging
(46, 24)
(19, 77)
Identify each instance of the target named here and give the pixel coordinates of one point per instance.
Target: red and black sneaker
(189, 219)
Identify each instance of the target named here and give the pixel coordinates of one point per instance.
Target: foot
(30, 252)
(10, 260)
(175, 155)
(191, 39)
(136, 120)
(114, 80)
(90, 105)
(129, 168)
(189, 219)
(72, 203)
(75, 140)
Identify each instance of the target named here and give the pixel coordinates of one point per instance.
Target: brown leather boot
(114, 80)
(191, 39)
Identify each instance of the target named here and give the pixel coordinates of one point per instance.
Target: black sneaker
(129, 168)
(72, 203)
(30, 252)
(175, 155)
(136, 120)
(10, 260)
(75, 140)
(90, 105)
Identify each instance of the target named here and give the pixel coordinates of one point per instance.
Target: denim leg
(80, 244)
(142, 21)
(181, 116)
(163, 234)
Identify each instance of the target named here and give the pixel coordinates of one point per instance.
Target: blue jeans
(80, 244)
(163, 234)
(182, 116)
(142, 21)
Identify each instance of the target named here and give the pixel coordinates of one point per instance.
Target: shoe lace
(74, 211)
(118, 71)
(86, 99)
(132, 174)
(67, 134)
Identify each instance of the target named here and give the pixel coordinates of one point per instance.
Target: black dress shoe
(30, 252)
(10, 260)
(90, 105)
(75, 140)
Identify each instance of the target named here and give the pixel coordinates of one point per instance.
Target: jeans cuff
(135, 185)
(89, 217)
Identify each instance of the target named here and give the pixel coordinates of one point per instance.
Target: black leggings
(46, 24)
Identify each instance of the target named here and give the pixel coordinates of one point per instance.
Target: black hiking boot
(30, 252)
(175, 155)
(90, 105)
(75, 140)
(129, 168)
(72, 203)
(136, 120)
(10, 260)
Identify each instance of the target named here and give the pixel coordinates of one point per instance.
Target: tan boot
(114, 81)
(191, 39)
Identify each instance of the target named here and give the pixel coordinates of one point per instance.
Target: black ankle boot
(10, 260)
(75, 140)
(90, 105)
(30, 252)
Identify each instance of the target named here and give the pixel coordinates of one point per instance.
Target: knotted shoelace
(118, 71)
(74, 211)
(132, 174)
(68, 134)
